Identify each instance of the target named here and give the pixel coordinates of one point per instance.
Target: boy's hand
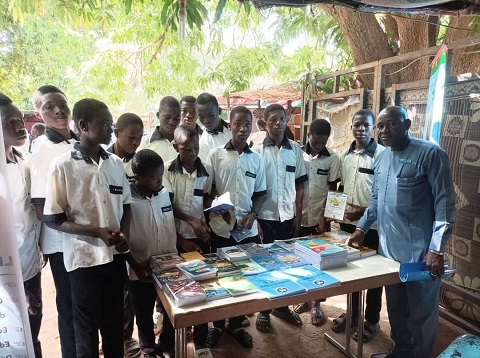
(201, 229)
(108, 236)
(248, 220)
(226, 216)
(356, 238)
(32, 303)
(321, 225)
(122, 245)
(143, 272)
(188, 245)
(354, 212)
(296, 226)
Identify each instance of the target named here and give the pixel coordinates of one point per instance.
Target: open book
(221, 203)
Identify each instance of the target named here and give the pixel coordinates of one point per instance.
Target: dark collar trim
(128, 156)
(16, 154)
(216, 131)
(79, 153)
(369, 150)
(137, 193)
(156, 135)
(55, 137)
(285, 142)
(176, 165)
(323, 153)
(229, 146)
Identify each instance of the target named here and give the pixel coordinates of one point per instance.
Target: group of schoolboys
(145, 195)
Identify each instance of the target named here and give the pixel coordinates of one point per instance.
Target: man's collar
(16, 153)
(216, 131)
(156, 135)
(176, 165)
(55, 137)
(323, 153)
(369, 150)
(136, 192)
(269, 142)
(128, 156)
(79, 153)
(229, 146)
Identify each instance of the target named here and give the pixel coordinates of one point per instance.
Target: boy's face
(208, 115)
(276, 122)
(362, 127)
(169, 119)
(99, 128)
(14, 132)
(129, 137)
(188, 113)
(54, 111)
(317, 142)
(188, 150)
(241, 127)
(152, 180)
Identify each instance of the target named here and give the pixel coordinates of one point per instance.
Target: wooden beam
(379, 92)
(458, 321)
(365, 66)
(338, 95)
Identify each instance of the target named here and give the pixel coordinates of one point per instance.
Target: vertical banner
(15, 336)
(436, 89)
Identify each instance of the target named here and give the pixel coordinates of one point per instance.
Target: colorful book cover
(185, 292)
(163, 262)
(240, 233)
(223, 266)
(311, 277)
(270, 263)
(320, 246)
(196, 268)
(276, 284)
(249, 267)
(222, 203)
(192, 255)
(214, 290)
(288, 245)
(290, 259)
(276, 249)
(232, 253)
(170, 275)
(237, 285)
(367, 252)
(256, 250)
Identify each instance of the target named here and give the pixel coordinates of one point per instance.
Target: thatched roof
(284, 91)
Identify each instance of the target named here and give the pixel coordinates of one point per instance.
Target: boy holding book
(241, 172)
(88, 198)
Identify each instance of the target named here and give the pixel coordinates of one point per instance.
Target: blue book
(275, 284)
(275, 249)
(417, 271)
(270, 263)
(311, 277)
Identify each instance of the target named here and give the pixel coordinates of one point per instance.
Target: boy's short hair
(366, 113)
(241, 109)
(168, 102)
(206, 98)
(4, 100)
(320, 127)
(261, 123)
(271, 108)
(39, 126)
(37, 96)
(128, 119)
(183, 132)
(188, 99)
(146, 160)
(86, 109)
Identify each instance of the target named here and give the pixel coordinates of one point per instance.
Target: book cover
(192, 255)
(288, 245)
(232, 253)
(249, 267)
(214, 290)
(367, 252)
(256, 250)
(276, 249)
(290, 259)
(223, 266)
(335, 205)
(197, 269)
(185, 292)
(276, 284)
(269, 263)
(222, 203)
(237, 285)
(311, 277)
(240, 233)
(170, 275)
(165, 261)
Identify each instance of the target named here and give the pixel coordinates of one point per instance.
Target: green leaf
(219, 10)
(128, 6)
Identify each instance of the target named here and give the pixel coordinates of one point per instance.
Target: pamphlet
(221, 203)
(335, 205)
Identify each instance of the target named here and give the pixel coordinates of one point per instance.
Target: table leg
(180, 343)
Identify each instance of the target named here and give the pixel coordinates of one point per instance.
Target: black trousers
(97, 297)
(63, 298)
(128, 314)
(34, 286)
(374, 295)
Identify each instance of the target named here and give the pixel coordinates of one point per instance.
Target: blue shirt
(413, 201)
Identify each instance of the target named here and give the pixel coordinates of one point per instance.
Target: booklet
(192, 255)
(232, 253)
(164, 262)
(276, 284)
(240, 233)
(249, 267)
(221, 203)
(335, 205)
(237, 285)
(170, 275)
(223, 266)
(270, 263)
(311, 277)
(198, 270)
(185, 292)
(214, 290)
(417, 271)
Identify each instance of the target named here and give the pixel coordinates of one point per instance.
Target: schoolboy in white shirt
(241, 172)
(188, 115)
(88, 198)
(161, 139)
(27, 227)
(51, 106)
(280, 213)
(216, 131)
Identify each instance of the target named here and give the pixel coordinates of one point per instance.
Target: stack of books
(352, 253)
(223, 266)
(255, 250)
(291, 259)
(192, 255)
(185, 292)
(170, 275)
(232, 253)
(367, 252)
(320, 253)
(288, 245)
(275, 249)
(270, 263)
(198, 270)
(159, 263)
(311, 277)
(237, 285)
(214, 290)
(249, 267)
(276, 284)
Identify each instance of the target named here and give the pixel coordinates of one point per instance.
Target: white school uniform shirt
(243, 176)
(158, 143)
(188, 191)
(213, 139)
(127, 163)
(27, 227)
(152, 229)
(322, 169)
(357, 174)
(89, 194)
(52, 145)
(284, 168)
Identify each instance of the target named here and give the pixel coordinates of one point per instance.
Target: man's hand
(435, 264)
(143, 272)
(226, 216)
(248, 221)
(32, 303)
(109, 236)
(188, 245)
(356, 239)
(321, 225)
(201, 229)
(354, 212)
(296, 226)
(122, 245)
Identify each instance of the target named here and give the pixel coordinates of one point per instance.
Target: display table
(359, 275)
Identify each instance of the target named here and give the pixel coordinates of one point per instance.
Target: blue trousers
(413, 315)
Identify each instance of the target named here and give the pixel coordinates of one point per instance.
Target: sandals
(339, 324)
(369, 331)
(301, 307)
(132, 348)
(241, 336)
(288, 316)
(213, 336)
(317, 316)
(263, 322)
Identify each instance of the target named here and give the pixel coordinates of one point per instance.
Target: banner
(436, 89)
(15, 336)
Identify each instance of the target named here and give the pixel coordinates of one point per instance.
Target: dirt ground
(284, 341)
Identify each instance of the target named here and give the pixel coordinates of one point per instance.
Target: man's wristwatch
(436, 252)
